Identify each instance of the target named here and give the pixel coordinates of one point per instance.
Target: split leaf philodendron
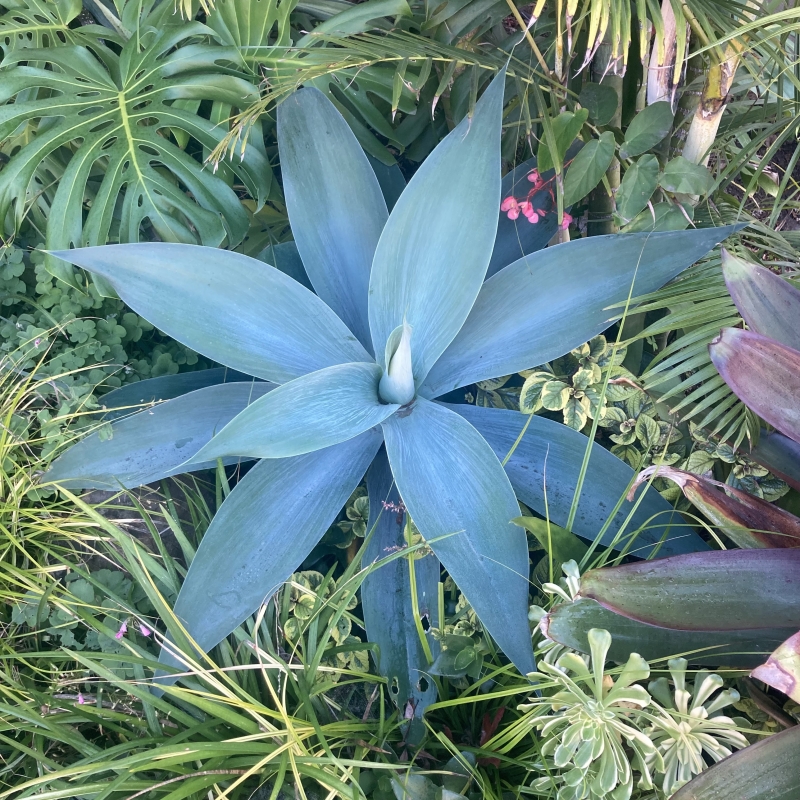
(401, 315)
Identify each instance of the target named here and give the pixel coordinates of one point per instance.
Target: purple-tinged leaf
(570, 623)
(723, 590)
(763, 373)
(782, 670)
(767, 770)
(780, 455)
(748, 521)
(768, 304)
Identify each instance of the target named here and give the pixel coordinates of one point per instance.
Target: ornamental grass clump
(347, 376)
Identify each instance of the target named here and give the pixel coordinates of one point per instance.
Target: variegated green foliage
(333, 413)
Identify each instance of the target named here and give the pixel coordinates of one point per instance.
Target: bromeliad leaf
(119, 112)
(306, 414)
(274, 328)
(439, 462)
(430, 241)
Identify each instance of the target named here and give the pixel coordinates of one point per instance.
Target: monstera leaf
(107, 122)
(40, 23)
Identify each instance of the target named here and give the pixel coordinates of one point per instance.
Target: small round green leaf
(588, 168)
(647, 129)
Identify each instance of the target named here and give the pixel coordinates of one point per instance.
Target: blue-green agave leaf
(226, 306)
(262, 532)
(154, 443)
(286, 258)
(550, 455)
(518, 237)
(335, 204)
(306, 414)
(546, 304)
(454, 487)
(386, 599)
(123, 401)
(433, 253)
(391, 180)
(780, 455)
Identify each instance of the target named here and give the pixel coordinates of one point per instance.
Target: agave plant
(401, 315)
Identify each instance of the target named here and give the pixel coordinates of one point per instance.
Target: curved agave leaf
(119, 402)
(306, 414)
(763, 373)
(549, 456)
(155, 443)
(544, 305)
(114, 111)
(768, 304)
(723, 590)
(386, 599)
(248, 550)
(432, 255)
(335, 204)
(286, 258)
(454, 487)
(391, 180)
(780, 455)
(767, 770)
(273, 327)
(570, 623)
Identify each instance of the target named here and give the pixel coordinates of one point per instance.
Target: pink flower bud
(566, 221)
(513, 213)
(81, 699)
(509, 204)
(123, 629)
(144, 630)
(533, 218)
(534, 177)
(526, 208)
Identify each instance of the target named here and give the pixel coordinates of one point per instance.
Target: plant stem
(601, 206)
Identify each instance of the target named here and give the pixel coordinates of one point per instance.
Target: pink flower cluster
(513, 207)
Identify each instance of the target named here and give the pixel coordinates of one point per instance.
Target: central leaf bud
(397, 382)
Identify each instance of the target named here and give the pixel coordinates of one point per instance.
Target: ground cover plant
(380, 417)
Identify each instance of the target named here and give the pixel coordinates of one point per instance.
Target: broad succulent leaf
(123, 401)
(723, 590)
(768, 304)
(549, 456)
(273, 327)
(782, 668)
(154, 443)
(306, 414)
(286, 258)
(749, 521)
(131, 98)
(248, 550)
(454, 487)
(335, 204)
(385, 598)
(780, 455)
(767, 770)
(569, 624)
(548, 303)
(432, 255)
(763, 373)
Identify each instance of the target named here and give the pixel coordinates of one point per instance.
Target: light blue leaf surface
(262, 532)
(122, 402)
(386, 599)
(286, 258)
(433, 253)
(156, 442)
(391, 180)
(550, 455)
(229, 307)
(306, 414)
(335, 204)
(546, 304)
(453, 486)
